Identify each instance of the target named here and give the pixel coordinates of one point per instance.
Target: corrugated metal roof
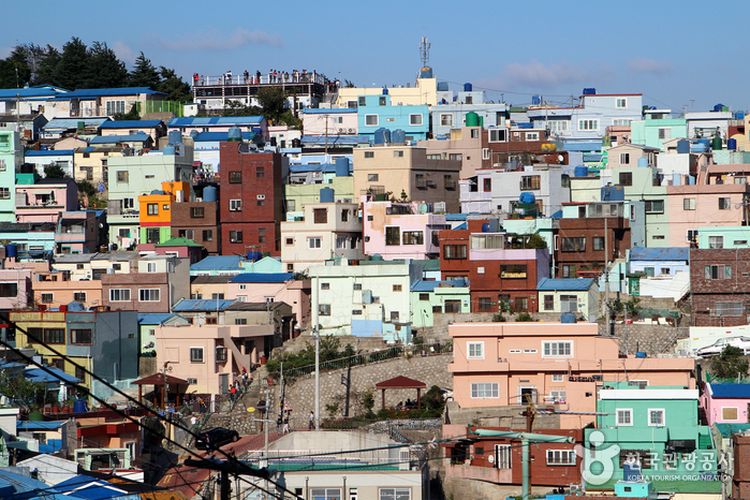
(566, 284)
(39, 375)
(49, 425)
(153, 318)
(219, 136)
(114, 139)
(42, 91)
(660, 254)
(13, 485)
(49, 152)
(198, 305)
(130, 124)
(262, 278)
(218, 263)
(71, 123)
(204, 121)
(730, 391)
(328, 168)
(82, 486)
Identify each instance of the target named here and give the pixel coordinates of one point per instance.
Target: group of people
(408, 405)
(240, 384)
(273, 76)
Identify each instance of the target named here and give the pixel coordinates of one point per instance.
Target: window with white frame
(588, 125)
(560, 348)
(4, 193)
(235, 205)
(532, 136)
(485, 153)
(624, 417)
(561, 457)
(688, 204)
(395, 493)
(325, 493)
(558, 377)
(115, 107)
(558, 396)
(498, 135)
(415, 119)
(314, 242)
(558, 126)
(371, 120)
(656, 417)
(485, 390)
(150, 267)
(715, 242)
(149, 295)
(621, 103)
(119, 294)
(196, 355)
(446, 120)
(475, 350)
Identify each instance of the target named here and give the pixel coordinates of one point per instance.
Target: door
(223, 383)
(528, 395)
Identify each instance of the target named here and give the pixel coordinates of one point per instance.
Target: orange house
(155, 211)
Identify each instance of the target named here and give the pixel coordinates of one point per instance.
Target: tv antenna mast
(424, 50)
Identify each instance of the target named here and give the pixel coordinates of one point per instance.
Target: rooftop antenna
(424, 50)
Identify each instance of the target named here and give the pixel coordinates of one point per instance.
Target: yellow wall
(425, 92)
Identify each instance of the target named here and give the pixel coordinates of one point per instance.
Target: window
(324, 309)
(314, 242)
(115, 107)
(325, 286)
(484, 390)
(532, 136)
(446, 120)
(260, 202)
(729, 413)
(4, 193)
(498, 135)
(235, 177)
(415, 119)
(123, 176)
(151, 267)
(530, 182)
(575, 244)
(557, 348)
(394, 316)
(127, 203)
(654, 206)
(413, 237)
(424, 296)
(196, 355)
(624, 158)
(149, 295)
(260, 172)
(725, 203)
(185, 233)
(715, 242)
(54, 335)
(558, 126)
(561, 457)
(373, 177)
(325, 494)
(235, 205)
(558, 377)
(656, 417)
(371, 120)
(8, 289)
(47, 298)
(484, 304)
(395, 493)
(503, 456)
(624, 417)
(119, 295)
(197, 212)
(452, 306)
(513, 271)
(549, 302)
(81, 336)
(454, 251)
(688, 204)
(369, 154)
(626, 178)
(487, 184)
(79, 296)
(588, 124)
(449, 182)
(392, 236)
(345, 215)
(289, 241)
(665, 133)
(485, 153)
(475, 350)
(320, 215)
(153, 235)
(208, 235)
(598, 243)
(718, 272)
(485, 241)
(726, 308)
(397, 288)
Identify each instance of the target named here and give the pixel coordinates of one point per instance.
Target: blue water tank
(425, 72)
(527, 198)
(468, 87)
(11, 250)
(327, 195)
(718, 107)
(169, 150)
(175, 137)
(683, 146)
(194, 133)
(385, 90)
(568, 317)
(342, 167)
(581, 171)
(589, 91)
(398, 136)
(643, 162)
(641, 354)
(80, 406)
(732, 144)
(442, 86)
(210, 193)
(254, 255)
(676, 178)
(739, 115)
(382, 136)
(536, 100)
(486, 227)
(234, 134)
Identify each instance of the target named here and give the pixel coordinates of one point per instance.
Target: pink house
(45, 200)
(401, 230)
(15, 288)
(559, 366)
(718, 198)
(726, 403)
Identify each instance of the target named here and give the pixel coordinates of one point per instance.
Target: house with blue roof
(103, 102)
(330, 121)
(137, 140)
(230, 265)
(63, 158)
(188, 124)
(92, 488)
(206, 146)
(29, 100)
(659, 272)
(57, 128)
(444, 297)
(152, 128)
(726, 403)
(147, 324)
(17, 484)
(579, 296)
(45, 436)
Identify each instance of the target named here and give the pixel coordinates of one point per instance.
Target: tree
(237, 108)
(54, 171)
(14, 70)
(144, 74)
(24, 393)
(730, 364)
(104, 69)
(174, 86)
(46, 68)
(133, 114)
(73, 67)
(273, 102)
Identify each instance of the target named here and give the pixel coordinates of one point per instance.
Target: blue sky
(677, 56)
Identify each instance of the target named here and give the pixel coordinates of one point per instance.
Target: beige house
(424, 92)
(632, 155)
(397, 169)
(90, 164)
(464, 144)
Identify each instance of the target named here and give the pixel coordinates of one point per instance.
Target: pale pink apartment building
(719, 197)
(726, 403)
(208, 356)
(401, 230)
(560, 366)
(45, 200)
(53, 289)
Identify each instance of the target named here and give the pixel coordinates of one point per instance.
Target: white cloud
(124, 52)
(649, 66)
(536, 74)
(212, 40)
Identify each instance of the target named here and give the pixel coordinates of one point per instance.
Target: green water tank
(472, 119)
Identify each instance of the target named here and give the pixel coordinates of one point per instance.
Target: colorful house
(726, 403)
(11, 156)
(579, 296)
(438, 297)
(155, 211)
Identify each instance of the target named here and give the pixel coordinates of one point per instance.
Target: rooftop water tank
(536, 100)
(385, 90)
(589, 91)
(425, 72)
(683, 146)
(732, 144)
(327, 195)
(716, 143)
(468, 87)
(472, 119)
(486, 227)
(527, 198)
(234, 134)
(175, 137)
(209, 193)
(398, 136)
(739, 115)
(581, 171)
(11, 250)
(342, 167)
(568, 317)
(718, 107)
(169, 150)
(382, 136)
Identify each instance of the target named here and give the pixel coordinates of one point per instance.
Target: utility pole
(346, 381)
(316, 333)
(605, 304)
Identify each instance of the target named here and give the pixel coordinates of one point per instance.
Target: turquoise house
(723, 237)
(11, 156)
(654, 131)
(638, 185)
(445, 297)
(652, 434)
(375, 112)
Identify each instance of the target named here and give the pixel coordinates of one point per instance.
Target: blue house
(376, 111)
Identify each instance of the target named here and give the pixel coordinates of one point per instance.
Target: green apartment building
(11, 156)
(444, 297)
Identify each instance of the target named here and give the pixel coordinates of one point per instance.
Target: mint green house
(430, 297)
(652, 433)
(542, 226)
(654, 131)
(723, 237)
(11, 156)
(638, 185)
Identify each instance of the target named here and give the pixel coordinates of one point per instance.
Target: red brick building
(719, 286)
(501, 277)
(741, 476)
(251, 200)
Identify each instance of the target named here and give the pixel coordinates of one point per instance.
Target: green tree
(133, 114)
(54, 171)
(14, 70)
(144, 73)
(174, 86)
(72, 70)
(46, 69)
(237, 108)
(24, 393)
(104, 68)
(273, 102)
(730, 364)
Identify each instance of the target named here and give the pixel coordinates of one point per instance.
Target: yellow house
(91, 164)
(424, 92)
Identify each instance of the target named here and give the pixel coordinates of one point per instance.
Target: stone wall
(651, 339)
(432, 370)
(439, 331)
